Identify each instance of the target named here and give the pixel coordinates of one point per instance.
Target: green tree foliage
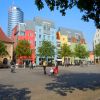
(47, 49)
(65, 51)
(3, 49)
(23, 48)
(80, 51)
(97, 50)
(90, 8)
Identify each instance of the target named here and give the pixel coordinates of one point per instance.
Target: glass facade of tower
(15, 16)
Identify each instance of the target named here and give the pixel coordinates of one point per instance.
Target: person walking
(12, 66)
(44, 67)
(31, 65)
(34, 65)
(24, 64)
(66, 62)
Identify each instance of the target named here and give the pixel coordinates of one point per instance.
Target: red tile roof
(4, 38)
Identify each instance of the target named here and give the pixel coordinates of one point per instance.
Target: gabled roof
(30, 25)
(72, 32)
(4, 38)
(40, 21)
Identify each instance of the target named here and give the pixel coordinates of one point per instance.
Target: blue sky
(71, 20)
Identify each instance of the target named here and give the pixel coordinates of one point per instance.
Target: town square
(72, 83)
(50, 50)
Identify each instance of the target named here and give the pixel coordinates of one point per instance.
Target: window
(52, 38)
(29, 34)
(44, 27)
(35, 43)
(58, 45)
(39, 36)
(78, 37)
(48, 28)
(44, 37)
(69, 38)
(40, 43)
(22, 33)
(48, 37)
(39, 30)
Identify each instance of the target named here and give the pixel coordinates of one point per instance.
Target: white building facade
(95, 42)
(96, 38)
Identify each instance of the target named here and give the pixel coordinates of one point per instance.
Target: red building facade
(20, 33)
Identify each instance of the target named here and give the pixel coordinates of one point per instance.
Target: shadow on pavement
(8, 92)
(67, 83)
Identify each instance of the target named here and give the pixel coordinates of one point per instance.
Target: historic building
(9, 43)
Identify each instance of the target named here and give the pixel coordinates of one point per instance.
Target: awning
(59, 59)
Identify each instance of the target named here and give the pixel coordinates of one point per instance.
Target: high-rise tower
(15, 16)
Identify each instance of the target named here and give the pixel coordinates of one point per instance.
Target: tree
(97, 50)
(80, 51)
(90, 8)
(3, 49)
(65, 51)
(47, 49)
(23, 48)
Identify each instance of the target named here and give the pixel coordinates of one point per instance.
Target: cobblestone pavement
(72, 83)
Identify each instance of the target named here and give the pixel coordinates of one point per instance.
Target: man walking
(44, 67)
(31, 65)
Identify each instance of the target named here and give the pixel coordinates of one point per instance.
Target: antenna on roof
(13, 2)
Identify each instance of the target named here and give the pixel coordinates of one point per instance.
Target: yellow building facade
(71, 38)
(63, 39)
